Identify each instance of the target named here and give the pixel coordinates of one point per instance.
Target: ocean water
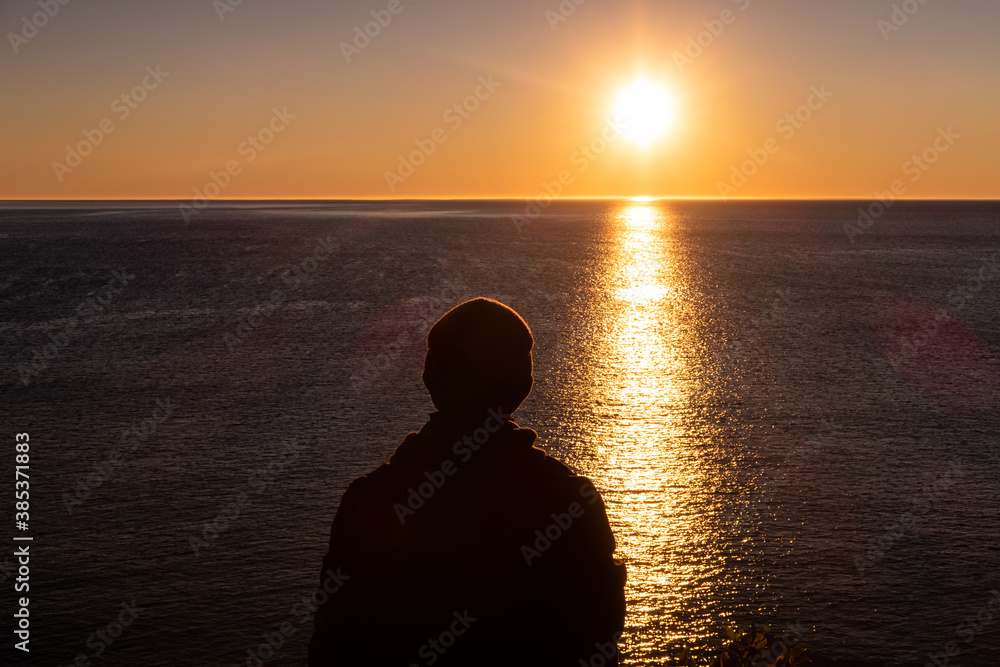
(790, 421)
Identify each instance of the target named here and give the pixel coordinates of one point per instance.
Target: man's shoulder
(385, 472)
(567, 482)
(370, 482)
(369, 486)
(555, 470)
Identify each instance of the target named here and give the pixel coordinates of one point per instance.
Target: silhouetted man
(471, 546)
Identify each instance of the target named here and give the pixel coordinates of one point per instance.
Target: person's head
(478, 357)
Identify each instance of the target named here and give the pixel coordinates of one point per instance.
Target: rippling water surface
(787, 426)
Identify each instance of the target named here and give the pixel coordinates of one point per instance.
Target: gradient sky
(891, 96)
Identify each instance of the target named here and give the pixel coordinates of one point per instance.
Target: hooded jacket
(470, 547)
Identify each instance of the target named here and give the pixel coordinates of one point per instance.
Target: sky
(291, 99)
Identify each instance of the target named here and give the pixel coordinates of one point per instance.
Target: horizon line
(636, 199)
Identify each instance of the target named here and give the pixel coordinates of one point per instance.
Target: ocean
(792, 415)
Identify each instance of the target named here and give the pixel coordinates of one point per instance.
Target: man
(471, 546)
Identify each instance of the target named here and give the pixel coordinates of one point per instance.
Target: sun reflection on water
(647, 462)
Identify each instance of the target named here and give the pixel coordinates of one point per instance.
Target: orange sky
(895, 88)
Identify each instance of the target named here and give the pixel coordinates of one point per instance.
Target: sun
(645, 111)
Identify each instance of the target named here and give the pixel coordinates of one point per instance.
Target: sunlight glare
(645, 110)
